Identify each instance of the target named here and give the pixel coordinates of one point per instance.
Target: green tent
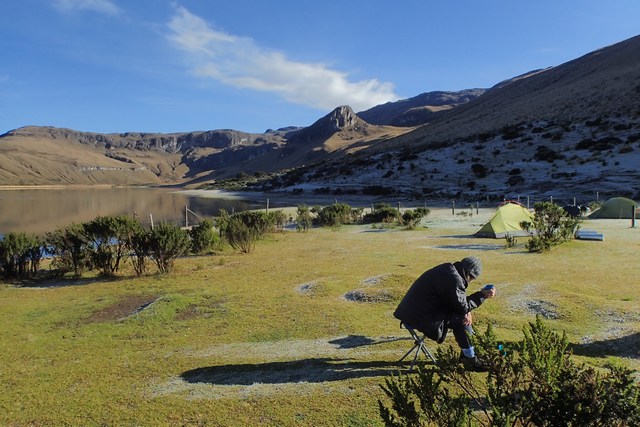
(617, 207)
(506, 220)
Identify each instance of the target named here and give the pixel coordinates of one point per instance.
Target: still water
(41, 210)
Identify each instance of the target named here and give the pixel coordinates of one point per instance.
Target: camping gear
(589, 235)
(506, 221)
(418, 346)
(616, 208)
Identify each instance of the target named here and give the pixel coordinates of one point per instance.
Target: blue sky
(177, 66)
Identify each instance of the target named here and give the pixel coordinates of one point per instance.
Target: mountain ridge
(578, 122)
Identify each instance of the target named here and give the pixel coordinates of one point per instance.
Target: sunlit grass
(232, 313)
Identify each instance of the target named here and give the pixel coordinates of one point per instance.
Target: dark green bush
(411, 218)
(551, 226)
(242, 230)
(109, 241)
(69, 247)
(166, 243)
(304, 218)
(336, 215)
(382, 212)
(204, 237)
(20, 254)
(533, 383)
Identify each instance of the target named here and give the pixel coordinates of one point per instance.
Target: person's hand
(468, 319)
(489, 293)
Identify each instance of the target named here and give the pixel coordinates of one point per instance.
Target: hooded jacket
(435, 297)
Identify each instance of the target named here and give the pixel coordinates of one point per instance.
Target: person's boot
(473, 364)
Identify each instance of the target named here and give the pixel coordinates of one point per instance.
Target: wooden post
(151, 218)
(633, 216)
(597, 196)
(477, 207)
(453, 207)
(574, 201)
(267, 206)
(398, 207)
(527, 202)
(551, 198)
(186, 216)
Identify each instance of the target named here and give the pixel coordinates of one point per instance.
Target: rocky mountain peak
(341, 119)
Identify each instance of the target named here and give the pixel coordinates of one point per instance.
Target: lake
(41, 210)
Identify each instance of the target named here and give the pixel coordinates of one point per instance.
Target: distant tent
(506, 220)
(617, 207)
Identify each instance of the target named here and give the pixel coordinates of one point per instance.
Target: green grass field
(269, 338)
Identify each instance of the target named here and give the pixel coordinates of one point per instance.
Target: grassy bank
(299, 332)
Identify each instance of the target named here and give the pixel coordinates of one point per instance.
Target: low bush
(20, 255)
(532, 383)
(551, 226)
(166, 243)
(204, 237)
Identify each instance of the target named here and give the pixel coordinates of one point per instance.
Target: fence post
(633, 216)
(267, 206)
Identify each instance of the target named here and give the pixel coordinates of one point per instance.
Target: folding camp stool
(418, 346)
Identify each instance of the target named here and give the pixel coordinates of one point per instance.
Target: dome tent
(506, 220)
(617, 208)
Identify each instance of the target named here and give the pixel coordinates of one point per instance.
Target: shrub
(411, 218)
(479, 170)
(304, 218)
(551, 226)
(336, 215)
(69, 247)
(382, 212)
(140, 251)
(533, 383)
(109, 241)
(166, 243)
(243, 229)
(203, 237)
(20, 254)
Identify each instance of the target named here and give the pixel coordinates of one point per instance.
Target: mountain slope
(419, 109)
(570, 130)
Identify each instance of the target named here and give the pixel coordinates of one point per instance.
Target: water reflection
(41, 210)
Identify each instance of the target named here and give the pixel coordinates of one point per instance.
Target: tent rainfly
(616, 207)
(506, 220)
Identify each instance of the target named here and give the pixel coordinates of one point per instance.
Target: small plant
(510, 241)
(551, 226)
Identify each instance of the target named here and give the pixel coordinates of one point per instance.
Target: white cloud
(239, 62)
(102, 6)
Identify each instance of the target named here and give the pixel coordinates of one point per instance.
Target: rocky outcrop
(342, 119)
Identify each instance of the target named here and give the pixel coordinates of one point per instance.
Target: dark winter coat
(434, 298)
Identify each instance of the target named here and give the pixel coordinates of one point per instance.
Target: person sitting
(437, 301)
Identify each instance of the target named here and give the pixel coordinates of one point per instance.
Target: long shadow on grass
(313, 370)
(353, 341)
(628, 346)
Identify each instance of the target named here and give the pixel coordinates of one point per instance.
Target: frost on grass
(309, 288)
(522, 302)
(295, 367)
(380, 288)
